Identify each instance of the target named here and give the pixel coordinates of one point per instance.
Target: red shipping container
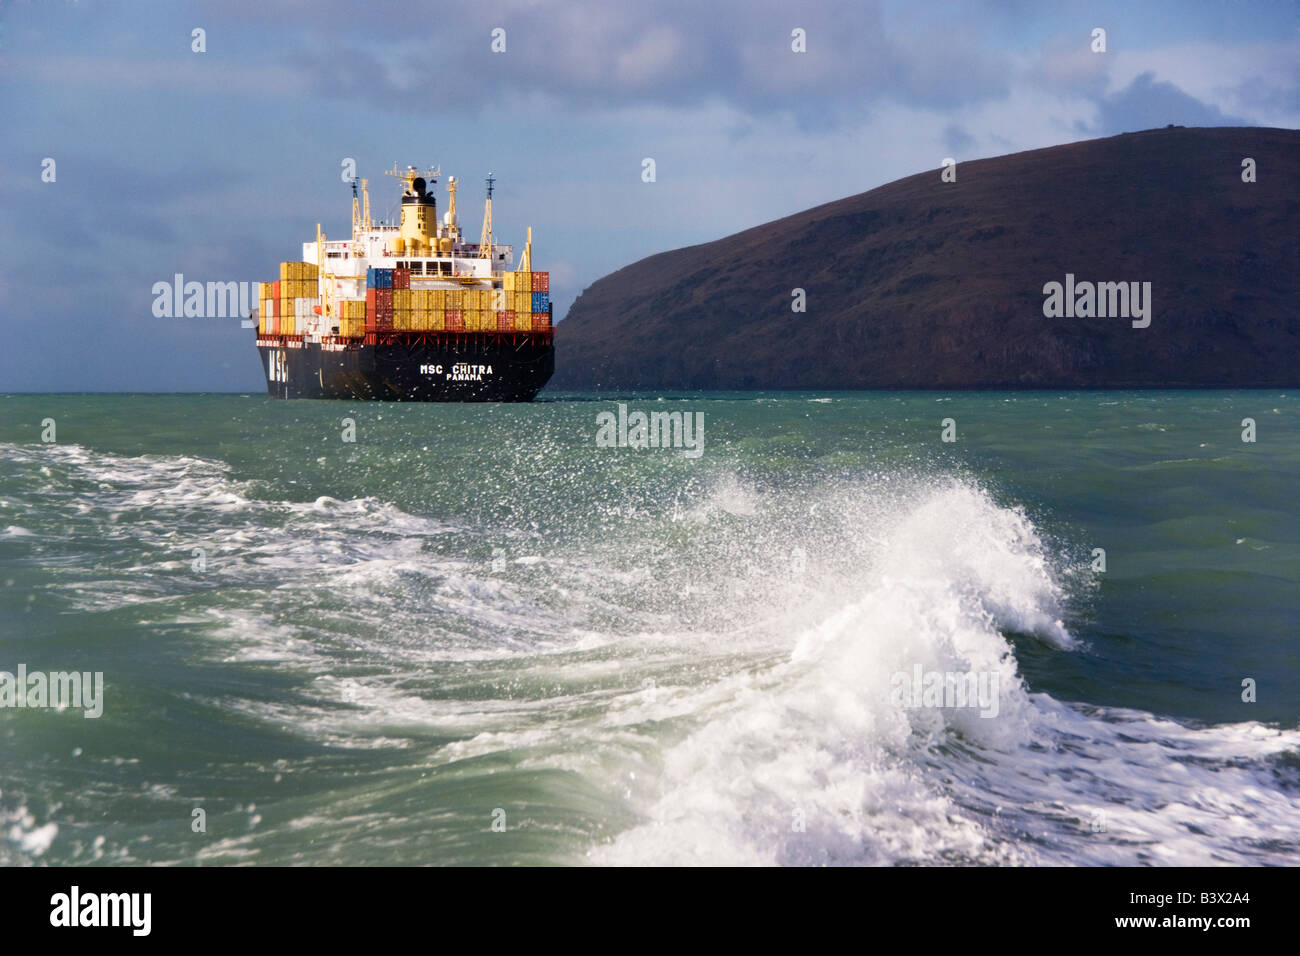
(505, 321)
(275, 290)
(455, 320)
(541, 321)
(401, 278)
(541, 282)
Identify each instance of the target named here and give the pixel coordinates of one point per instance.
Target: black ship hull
(412, 368)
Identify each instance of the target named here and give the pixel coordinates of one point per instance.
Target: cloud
(587, 55)
(1147, 103)
(957, 139)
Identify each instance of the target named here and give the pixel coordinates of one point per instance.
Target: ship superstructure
(409, 312)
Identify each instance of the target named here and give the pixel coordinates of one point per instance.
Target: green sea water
(472, 635)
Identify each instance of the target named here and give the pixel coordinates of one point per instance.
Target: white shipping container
(302, 308)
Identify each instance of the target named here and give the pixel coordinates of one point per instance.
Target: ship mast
(356, 211)
(485, 240)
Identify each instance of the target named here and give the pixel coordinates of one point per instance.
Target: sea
(850, 628)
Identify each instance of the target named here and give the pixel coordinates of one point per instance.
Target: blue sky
(218, 164)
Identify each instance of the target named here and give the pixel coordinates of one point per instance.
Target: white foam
(813, 762)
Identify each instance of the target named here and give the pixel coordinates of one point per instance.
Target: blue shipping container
(541, 301)
(370, 278)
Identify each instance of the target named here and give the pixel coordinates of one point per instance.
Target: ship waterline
(463, 368)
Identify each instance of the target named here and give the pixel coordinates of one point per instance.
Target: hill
(927, 284)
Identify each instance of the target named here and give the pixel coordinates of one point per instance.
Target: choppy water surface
(369, 652)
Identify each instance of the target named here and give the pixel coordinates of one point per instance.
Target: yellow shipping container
(438, 299)
(298, 272)
(437, 320)
(523, 302)
(286, 325)
(523, 321)
(402, 300)
(286, 309)
(453, 299)
(517, 281)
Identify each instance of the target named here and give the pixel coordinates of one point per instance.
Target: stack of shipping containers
(522, 304)
(379, 300)
(287, 303)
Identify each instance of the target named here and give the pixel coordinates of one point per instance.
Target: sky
(218, 164)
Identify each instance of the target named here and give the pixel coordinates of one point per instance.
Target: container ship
(408, 312)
